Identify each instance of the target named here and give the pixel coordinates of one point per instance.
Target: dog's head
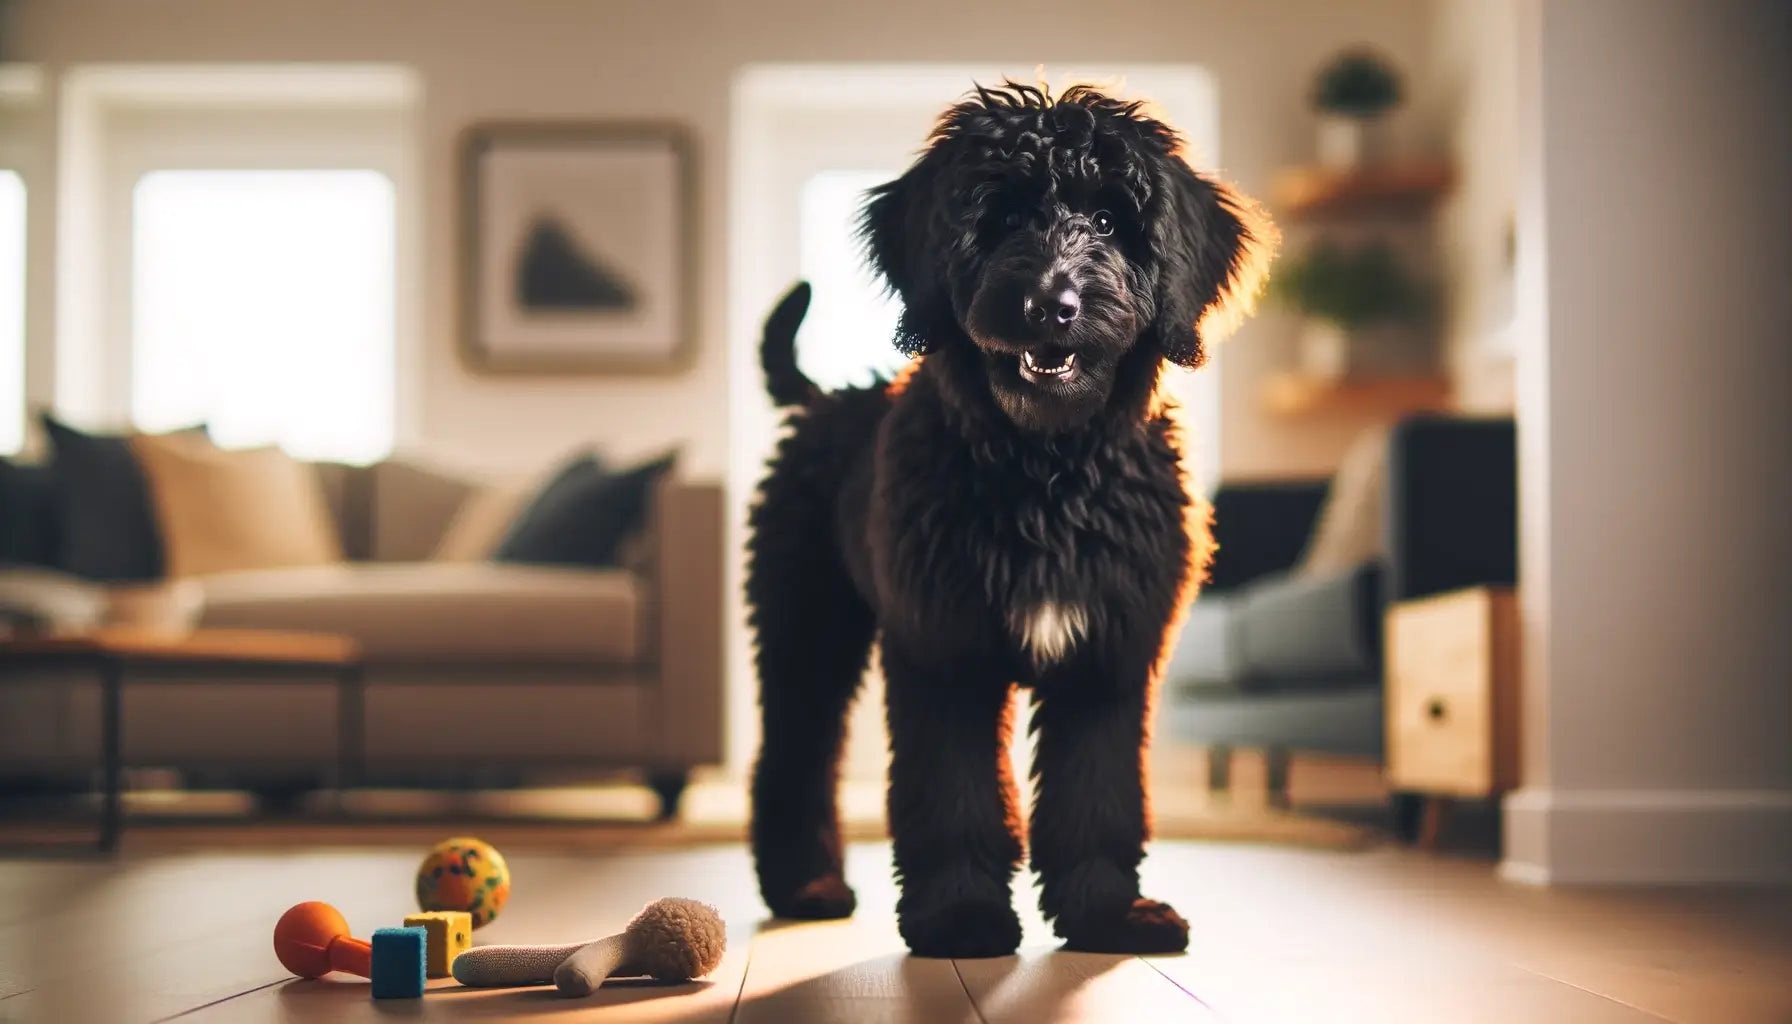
(1065, 246)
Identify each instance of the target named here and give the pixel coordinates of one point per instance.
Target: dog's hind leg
(814, 634)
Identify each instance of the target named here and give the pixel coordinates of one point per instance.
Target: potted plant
(1359, 307)
(1352, 92)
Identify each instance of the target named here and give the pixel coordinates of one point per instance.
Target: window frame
(21, 153)
(146, 142)
(25, 282)
(120, 122)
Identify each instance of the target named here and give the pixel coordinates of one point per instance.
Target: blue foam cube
(398, 962)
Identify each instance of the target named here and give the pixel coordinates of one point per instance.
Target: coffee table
(196, 655)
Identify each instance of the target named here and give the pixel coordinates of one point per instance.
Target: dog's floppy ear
(884, 227)
(895, 229)
(1214, 246)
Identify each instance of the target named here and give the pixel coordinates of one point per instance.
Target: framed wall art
(577, 248)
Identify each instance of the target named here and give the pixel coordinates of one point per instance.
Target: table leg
(111, 753)
(1219, 768)
(1276, 763)
(1432, 821)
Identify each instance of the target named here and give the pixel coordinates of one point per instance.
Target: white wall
(676, 59)
(1656, 466)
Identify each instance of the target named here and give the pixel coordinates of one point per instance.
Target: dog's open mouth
(1040, 365)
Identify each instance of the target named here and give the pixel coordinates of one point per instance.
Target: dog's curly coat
(1013, 509)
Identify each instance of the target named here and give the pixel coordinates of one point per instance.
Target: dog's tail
(784, 380)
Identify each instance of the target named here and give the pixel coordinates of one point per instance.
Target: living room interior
(381, 412)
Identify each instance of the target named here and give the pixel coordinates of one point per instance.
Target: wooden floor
(1279, 935)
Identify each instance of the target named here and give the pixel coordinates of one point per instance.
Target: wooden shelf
(1291, 394)
(1312, 193)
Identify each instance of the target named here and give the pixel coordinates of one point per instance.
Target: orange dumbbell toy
(312, 940)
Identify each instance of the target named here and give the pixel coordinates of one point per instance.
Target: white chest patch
(1050, 630)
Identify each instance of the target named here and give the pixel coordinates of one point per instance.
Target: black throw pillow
(107, 529)
(584, 515)
(536, 529)
(28, 513)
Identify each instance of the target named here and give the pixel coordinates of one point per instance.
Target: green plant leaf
(1351, 289)
(1357, 83)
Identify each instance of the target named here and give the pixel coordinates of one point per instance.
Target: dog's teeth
(1032, 364)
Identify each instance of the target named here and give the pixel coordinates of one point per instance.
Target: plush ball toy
(671, 940)
(467, 874)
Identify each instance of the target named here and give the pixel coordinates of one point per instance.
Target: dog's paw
(821, 899)
(1145, 927)
(964, 929)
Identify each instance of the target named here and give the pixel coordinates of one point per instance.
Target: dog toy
(312, 940)
(467, 874)
(398, 963)
(511, 966)
(448, 934)
(669, 940)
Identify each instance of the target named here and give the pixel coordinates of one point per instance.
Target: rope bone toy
(669, 940)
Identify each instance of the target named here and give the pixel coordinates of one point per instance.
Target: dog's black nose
(1059, 305)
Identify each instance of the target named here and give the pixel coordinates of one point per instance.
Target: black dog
(1012, 510)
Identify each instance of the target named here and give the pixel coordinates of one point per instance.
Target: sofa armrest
(1452, 505)
(687, 531)
(1261, 528)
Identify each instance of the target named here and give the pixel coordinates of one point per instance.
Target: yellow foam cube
(448, 934)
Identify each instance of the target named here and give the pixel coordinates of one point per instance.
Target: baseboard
(1524, 872)
(1648, 837)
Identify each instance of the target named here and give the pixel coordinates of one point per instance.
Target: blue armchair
(1283, 660)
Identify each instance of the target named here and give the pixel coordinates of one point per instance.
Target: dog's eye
(1103, 222)
(1012, 221)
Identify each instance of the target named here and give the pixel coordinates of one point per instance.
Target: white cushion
(46, 599)
(444, 612)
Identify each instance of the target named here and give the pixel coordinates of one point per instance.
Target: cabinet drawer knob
(1434, 709)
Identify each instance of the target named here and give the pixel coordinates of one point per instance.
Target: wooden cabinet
(1453, 695)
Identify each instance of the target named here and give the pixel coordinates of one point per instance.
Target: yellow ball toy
(467, 874)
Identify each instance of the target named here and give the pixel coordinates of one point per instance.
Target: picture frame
(577, 248)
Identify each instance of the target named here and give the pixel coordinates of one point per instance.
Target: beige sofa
(477, 673)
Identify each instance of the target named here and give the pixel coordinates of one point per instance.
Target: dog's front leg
(1089, 828)
(953, 813)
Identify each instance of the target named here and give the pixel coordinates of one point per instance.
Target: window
(262, 304)
(12, 312)
(242, 250)
(847, 336)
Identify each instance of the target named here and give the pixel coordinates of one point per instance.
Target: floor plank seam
(976, 1010)
(1593, 992)
(740, 993)
(1209, 1007)
(216, 1002)
(233, 927)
